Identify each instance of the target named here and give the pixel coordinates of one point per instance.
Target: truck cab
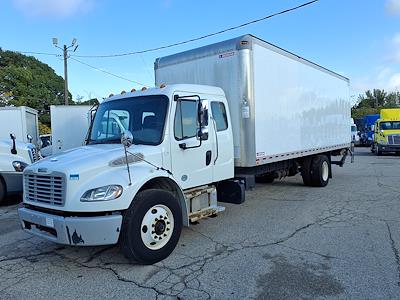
(387, 132)
(177, 143)
(15, 156)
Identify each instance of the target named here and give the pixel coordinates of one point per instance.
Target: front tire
(151, 226)
(3, 190)
(320, 171)
(378, 150)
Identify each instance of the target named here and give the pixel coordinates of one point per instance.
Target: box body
(282, 106)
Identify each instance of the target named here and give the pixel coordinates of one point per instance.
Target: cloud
(383, 78)
(53, 8)
(395, 51)
(392, 7)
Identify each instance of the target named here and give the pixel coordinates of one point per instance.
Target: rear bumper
(76, 231)
(13, 181)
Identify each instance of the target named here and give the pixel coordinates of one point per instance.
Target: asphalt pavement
(287, 241)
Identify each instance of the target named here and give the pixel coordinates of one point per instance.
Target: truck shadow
(11, 200)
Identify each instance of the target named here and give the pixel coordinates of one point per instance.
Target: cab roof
(170, 90)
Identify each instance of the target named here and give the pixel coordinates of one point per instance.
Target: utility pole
(65, 50)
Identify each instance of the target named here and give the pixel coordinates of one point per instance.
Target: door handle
(208, 157)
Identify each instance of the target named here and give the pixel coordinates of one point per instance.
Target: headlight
(103, 193)
(383, 142)
(19, 166)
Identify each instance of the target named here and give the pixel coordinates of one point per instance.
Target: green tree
(373, 101)
(24, 80)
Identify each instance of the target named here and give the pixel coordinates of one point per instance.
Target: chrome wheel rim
(325, 171)
(157, 227)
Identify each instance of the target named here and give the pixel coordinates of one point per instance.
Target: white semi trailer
(160, 158)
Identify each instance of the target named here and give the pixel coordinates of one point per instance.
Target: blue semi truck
(367, 135)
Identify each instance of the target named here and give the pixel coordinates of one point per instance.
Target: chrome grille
(44, 188)
(35, 156)
(394, 139)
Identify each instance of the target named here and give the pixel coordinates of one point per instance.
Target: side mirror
(127, 139)
(203, 134)
(40, 144)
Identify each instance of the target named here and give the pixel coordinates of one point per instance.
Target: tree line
(373, 101)
(26, 81)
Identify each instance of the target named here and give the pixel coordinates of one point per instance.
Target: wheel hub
(157, 227)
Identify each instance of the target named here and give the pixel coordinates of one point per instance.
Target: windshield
(389, 125)
(143, 116)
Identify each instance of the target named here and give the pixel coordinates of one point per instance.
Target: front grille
(43, 188)
(33, 153)
(394, 139)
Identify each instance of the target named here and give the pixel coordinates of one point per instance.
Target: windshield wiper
(96, 142)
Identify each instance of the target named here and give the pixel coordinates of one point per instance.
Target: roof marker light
(162, 85)
(133, 90)
(123, 92)
(110, 95)
(144, 88)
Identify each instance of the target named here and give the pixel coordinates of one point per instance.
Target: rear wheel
(151, 226)
(320, 171)
(3, 190)
(306, 171)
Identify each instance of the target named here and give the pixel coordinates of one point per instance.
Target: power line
(204, 36)
(107, 72)
(37, 53)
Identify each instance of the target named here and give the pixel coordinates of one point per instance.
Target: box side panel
(224, 70)
(69, 126)
(32, 125)
(298, 108)
(11, 121)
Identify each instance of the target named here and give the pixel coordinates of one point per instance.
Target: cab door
(191, 145)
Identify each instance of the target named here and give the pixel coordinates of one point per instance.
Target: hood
(94, 157)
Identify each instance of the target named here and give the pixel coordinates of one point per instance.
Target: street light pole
(65, 75)
(65, 50)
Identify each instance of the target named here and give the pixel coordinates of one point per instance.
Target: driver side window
(186, 119)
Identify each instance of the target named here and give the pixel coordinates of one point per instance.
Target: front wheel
(151, 227)
(3, 190)
(378, 150)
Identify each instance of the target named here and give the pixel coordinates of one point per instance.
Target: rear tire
(3, 190)
(320, 171)
(151, 227)
(306, 171)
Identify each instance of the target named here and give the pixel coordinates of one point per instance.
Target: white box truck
(160, 158)
(18, 130)
(69, 127)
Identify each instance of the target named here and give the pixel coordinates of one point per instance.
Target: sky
(359, 39)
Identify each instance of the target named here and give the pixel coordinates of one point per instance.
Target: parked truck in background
(69, 126)
(355, 134)
(18, 135)
(369, 128)
(160, 158)
(387, 132)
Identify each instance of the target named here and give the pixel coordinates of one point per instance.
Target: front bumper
(76, 231)
(389, 148)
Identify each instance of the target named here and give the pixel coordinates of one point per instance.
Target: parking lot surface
(286, 241)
